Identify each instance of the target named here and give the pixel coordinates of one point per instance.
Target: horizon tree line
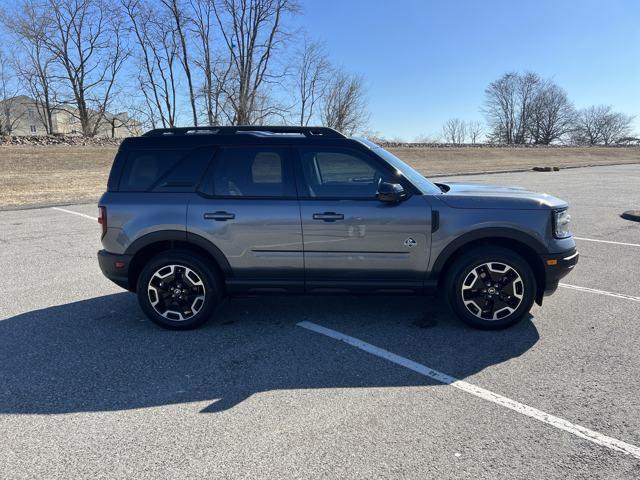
(524, 108)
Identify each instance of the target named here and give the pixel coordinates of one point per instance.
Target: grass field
(38, 175)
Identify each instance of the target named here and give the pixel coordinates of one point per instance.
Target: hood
(476, 195)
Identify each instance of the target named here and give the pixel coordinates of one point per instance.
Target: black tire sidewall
(200, 267)
(472, 259)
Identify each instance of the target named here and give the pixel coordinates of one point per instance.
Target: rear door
(247, 207)
(352, 240)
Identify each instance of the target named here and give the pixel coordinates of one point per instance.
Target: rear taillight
(102, 220)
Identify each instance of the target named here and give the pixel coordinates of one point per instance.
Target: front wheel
(491, 288)
(178, 290)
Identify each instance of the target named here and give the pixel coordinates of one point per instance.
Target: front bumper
(557, 266)
(115, 267)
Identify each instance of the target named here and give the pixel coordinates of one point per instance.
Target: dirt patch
(57, 174)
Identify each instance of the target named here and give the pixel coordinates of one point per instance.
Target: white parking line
(607, 241)
(599, 292)
(74, 213)
(577, 430)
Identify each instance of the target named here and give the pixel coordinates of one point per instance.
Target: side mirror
(390, 192)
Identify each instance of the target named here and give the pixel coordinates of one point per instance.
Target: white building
(23, 116)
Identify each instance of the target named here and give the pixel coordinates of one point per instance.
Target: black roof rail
(247, 129)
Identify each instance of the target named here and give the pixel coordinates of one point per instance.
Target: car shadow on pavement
(102, 354)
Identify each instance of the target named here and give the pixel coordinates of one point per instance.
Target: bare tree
(86, 39)
(500, 108)
(215, 69)
(10, 115)
(552, 115)
(601, 125)
(252, 31)
(588, 125)
(615, 126)
(157, 55)
(475, 129)
(34, 63)
(180, 21)
(454, 131)
(345, 106)
(508, 106)
(121, 121)
(311, 78)
(527, 88)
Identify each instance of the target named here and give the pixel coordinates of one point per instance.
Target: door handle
(219, 216)
(328, 216)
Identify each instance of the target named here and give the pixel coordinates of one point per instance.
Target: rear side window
(144, 168)
(249, 172)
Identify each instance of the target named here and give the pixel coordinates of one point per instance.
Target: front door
(352, 240)
(247, 207)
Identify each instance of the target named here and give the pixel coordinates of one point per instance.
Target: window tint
(144, 168)
(249, 172)
(186, 174)
(267, 168)
(341, 174)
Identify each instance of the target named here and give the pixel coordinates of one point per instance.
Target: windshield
(411, 174)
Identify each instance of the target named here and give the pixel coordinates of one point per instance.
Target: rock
(633, 215)
(46, 140)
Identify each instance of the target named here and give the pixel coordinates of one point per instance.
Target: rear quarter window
(187, 173)
(164, 170)
(142, 169)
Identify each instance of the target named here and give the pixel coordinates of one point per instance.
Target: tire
(178, 290)
(490, 306)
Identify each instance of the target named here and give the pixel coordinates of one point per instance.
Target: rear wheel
(178, 290)
(491, 287)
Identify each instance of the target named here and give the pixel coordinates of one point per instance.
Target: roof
(236, 135)
(248, 129)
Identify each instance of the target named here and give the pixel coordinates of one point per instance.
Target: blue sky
(426, 61)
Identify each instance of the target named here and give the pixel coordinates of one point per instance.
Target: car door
(247, 207)
(352, 240)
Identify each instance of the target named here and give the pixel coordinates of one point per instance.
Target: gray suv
(193, 214)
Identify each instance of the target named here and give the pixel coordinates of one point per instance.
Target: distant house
(22, 116)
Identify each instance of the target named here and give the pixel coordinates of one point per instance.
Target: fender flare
(181, 236)
(486, 233)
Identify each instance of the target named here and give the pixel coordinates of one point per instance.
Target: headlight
(561, 224)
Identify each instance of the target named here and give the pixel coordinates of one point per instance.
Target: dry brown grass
(53, 174)
(448, 161)
(39, 175)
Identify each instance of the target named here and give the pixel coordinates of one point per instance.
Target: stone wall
(47, 140)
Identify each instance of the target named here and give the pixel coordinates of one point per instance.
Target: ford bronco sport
(193, 214)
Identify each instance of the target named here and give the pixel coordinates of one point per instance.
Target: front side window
(410, 173)
(337, 173)
(249, 172)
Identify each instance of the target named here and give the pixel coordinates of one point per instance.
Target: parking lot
(298, 387)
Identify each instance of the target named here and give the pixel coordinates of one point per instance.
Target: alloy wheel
(492, 291)
(176, 292)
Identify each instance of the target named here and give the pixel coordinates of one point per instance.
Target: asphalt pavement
(91, 389)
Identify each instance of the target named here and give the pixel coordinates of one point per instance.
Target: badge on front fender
(410, 242)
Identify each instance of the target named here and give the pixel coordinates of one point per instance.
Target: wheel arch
(524, 245)
(151, 244)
